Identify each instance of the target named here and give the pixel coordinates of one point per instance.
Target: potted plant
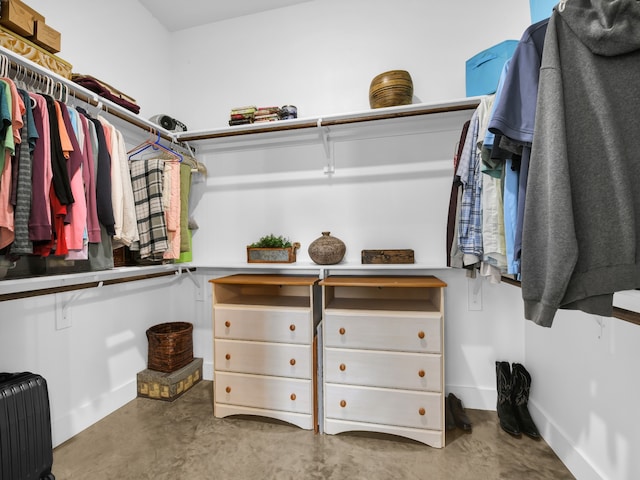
(272, 249)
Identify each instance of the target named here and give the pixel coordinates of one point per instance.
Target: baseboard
(207, 370)
(80, 418)
(474, 397)
(563, 447)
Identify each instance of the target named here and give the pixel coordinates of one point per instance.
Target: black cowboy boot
(460, 417)
(506, 412)
(449, 421)
(520, 397)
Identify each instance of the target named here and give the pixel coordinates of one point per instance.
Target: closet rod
(87, 96)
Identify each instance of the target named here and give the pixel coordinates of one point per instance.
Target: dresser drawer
(384, 406)
(411, 371)
(282, 325)
(409, 333)
(273, 393)
(276, 359)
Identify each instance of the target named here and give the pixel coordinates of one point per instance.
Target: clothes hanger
(188, 157)
(154, 145)
(4, 65)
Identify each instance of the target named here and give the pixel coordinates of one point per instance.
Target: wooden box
(46, 37)
(16, 17)
(169, 386)
(34, 13)
(387, 256)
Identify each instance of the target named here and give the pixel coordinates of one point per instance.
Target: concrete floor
(152, 439)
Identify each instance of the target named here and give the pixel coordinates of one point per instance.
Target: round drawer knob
(292, 327)
(421, 373)
(343, 367)
(343, 403)
(420, 335)
(228, 389)
(293, 396)
(228, 356)
(342, 331)
(422, 411)
(227, 324)
(292, 361)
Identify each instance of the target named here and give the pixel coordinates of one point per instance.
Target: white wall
(91, 366)
(321, 56)
(586, 392)
(118, 42)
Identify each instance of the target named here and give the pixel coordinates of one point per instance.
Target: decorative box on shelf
(272, 255)
(387, 256)
(35, 53)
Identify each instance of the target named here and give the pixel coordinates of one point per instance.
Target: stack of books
(242, 115)
(266, 114)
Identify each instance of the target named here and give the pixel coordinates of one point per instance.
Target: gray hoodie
(581, 232)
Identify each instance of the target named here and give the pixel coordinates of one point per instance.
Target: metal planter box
(272, 255)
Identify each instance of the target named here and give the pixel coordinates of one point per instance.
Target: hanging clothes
(172, 208)
(89, 145)
(76, 219)
(452, 253)
(66, 188)
(11, 139)
(513, 119)
(59, 142)
(122, 200)
(581, 232)
(185, 188)
(42, 174)
(147, 181)
(103, 178)
(470, 222)
(22, 245)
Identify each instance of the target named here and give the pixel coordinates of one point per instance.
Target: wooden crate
(387, 256)
(169, 386)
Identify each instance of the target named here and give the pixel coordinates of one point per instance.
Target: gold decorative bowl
(391, 88)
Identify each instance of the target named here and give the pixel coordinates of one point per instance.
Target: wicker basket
(170, 346)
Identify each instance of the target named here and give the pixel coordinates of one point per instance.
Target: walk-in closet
(378, 179)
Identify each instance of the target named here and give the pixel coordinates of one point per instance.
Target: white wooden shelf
(387, 121)
(46, 284)
(323, 271)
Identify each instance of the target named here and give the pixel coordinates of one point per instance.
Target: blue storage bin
(541, 9)
(483, 69)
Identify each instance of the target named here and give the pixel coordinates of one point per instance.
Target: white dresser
(383, 358)
(264, 349)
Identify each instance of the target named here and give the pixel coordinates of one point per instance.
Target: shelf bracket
(601, 324)
(63, 315)
(182, 270)
(330, 167)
